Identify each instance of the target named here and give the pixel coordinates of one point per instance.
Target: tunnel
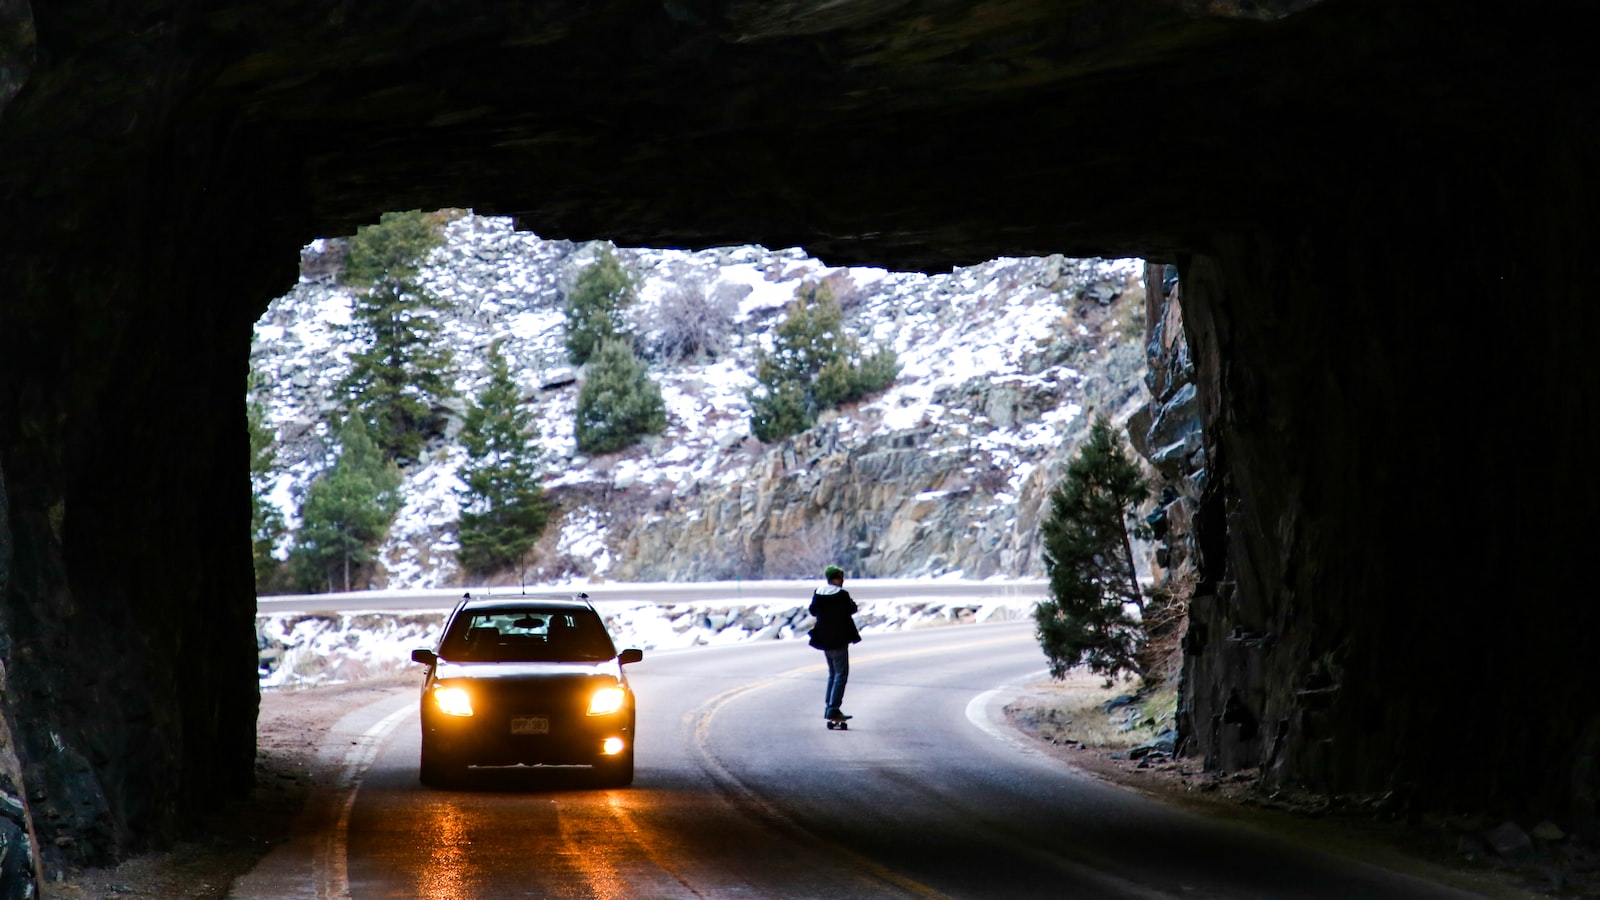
(1381, 214)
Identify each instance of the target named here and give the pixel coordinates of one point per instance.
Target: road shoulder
(291, 773)
(1069, 720)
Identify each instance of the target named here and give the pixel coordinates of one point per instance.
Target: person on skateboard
(833, 634)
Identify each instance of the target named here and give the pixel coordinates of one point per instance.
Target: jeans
(838, 674)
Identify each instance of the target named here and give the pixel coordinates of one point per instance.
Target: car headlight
(605, 701)
(453, 701)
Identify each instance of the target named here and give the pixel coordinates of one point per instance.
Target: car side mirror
(425, 656)
(630, 655)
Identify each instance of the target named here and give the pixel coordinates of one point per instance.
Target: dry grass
(1072, 711)
(1069, 719)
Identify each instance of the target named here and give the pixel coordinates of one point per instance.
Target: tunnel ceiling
(1370, 201)
(910, 135)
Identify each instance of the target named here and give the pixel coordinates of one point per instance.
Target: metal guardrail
(799, 592)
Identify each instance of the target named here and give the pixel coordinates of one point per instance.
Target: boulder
(1509, 841)
(1177, 419)
(1120, 701)
(1548, 832)
(17, 870)
(1163, 744)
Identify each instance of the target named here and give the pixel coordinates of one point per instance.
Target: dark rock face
(1379, 210)
(1169, 433)
(1392, 399)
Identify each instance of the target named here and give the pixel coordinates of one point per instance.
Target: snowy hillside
(1003, 323)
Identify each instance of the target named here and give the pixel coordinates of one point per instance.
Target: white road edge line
(1112, 885)
(357, 760)
(978, 714)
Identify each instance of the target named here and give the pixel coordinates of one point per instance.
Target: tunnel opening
(984, 365)
(1380, 216)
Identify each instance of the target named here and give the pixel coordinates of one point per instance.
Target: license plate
(530, 725)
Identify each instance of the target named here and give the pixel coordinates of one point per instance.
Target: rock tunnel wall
(1380, 212)
(1396, 393)
(126, 629)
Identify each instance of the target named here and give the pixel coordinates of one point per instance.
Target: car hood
(479, 670)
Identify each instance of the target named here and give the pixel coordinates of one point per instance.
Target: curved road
(742, 792)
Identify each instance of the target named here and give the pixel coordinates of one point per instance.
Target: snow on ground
(986, 322)
(585, 538)
(301, 649)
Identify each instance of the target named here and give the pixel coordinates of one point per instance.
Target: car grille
(558, 697)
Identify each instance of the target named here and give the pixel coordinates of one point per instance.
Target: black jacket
(833, 607)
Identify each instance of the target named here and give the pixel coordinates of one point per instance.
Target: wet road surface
(742, 792)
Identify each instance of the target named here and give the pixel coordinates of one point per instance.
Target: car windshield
(524, 634)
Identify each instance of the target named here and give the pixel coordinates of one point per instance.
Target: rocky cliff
(936, 499)
(1168, 432)
(944, 473)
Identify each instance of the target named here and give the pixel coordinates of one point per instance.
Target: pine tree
(814, 365)
(503, 509)
(594, 306)
(347, 511)
(780, 412)
(619, 402)
(401, 373)
(1088, 555)
(266, 521)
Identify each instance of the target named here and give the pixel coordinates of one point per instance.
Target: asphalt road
(742, 792)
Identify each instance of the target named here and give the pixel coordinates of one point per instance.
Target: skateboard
(838, 724)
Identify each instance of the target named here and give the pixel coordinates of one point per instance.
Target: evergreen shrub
(1088, 556)
(595, 304)
(618, 402)
(814, 365)
(401, 372)
(347, 513)
(266, 522)
(503, 508)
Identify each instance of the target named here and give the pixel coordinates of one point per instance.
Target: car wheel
(437, 770)
(616, 771)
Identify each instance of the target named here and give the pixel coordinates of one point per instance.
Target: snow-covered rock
(1001, 364)
(301, 649)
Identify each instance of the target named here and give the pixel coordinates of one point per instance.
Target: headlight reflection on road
(444, 876)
